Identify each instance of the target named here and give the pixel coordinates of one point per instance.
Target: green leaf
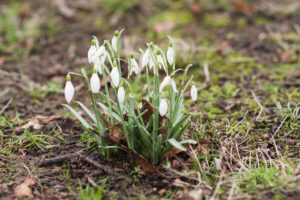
(117, 117)
(78, 116)
(191, 141)
(91, 115)
(176, 144)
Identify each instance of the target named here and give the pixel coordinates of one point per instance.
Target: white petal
(173, 85)
(166, 81)
(115, 76)
(151, 64)
(170, 55)
(91, 53)
(160, 61)
(145, 59)
(98, 65)
(95, 83)
(114, 41)
(163, 107)
(194, 93)
(134, 66)
(69, 91)
(121, 95)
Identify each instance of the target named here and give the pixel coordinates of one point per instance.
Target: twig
(259, 104)
(90, 180)
(54, 160)
(218, 185)
(6, 106)
(206, 73)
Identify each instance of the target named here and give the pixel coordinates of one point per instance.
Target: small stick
(54, 160)
(259, 104)
(6, 106)
(90, 180)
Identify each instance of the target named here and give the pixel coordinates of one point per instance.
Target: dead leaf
(162, 192)
(196, 8)
(36, 121)
(24, 189)
(194, 194)
(218, 163)
(178, 182)
(148, 107)
(146, 166)
(244, 8)
(2, 60)
(172, 152)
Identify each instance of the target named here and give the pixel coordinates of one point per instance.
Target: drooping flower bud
(163, 107)
(121, 94)
(95, 82)
(91, 52)
(134, 67)
(114, 41)
(69, 89)
(170, 54)
(115, 76)
(194, 93)
(160, 60)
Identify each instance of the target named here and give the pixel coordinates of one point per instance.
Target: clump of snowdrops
(147, 127)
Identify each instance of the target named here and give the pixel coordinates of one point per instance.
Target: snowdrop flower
(170, 54)
(163, 107)
(168, 81)
(121, 95)
(95, 82)
(115, 76)
(194, 93)
(69, 89)
(160, 61)
(99, 58)
(134, 67)
(91, 52)
(114, 41)
(146, 58)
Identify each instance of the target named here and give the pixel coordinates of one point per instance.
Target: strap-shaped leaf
(191, 141)
(176, 144)
(91, 115)
(78, 116)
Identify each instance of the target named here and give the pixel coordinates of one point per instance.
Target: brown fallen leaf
(2, 60)
(244, 8)
(173, 151)
(146, 166)
(23, 190)
(36, 121)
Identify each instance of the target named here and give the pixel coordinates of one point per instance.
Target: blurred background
(42, 40)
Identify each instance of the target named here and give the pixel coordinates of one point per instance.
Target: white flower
(170, 55)
(168, 81)
(160, 61)
(91, 53)
(99, 58)
(163, 107)
(146, 57)
(115, 77)
(151, 63)
(194, 93)
(114, 42)
(95, 83)
(134, 66)
(121, 94)
(69, 90)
